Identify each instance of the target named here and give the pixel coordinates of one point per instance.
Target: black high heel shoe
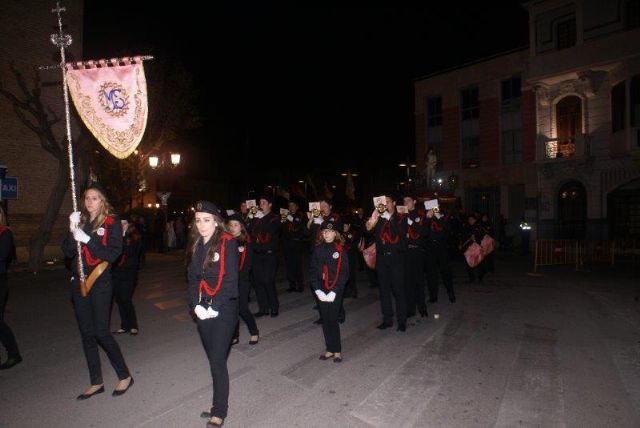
(119, 392)
(84, 396)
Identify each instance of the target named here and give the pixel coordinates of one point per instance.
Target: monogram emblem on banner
(114, 99)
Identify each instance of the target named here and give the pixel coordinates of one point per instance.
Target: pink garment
(488, 245)
(112, 103)
(369, 254)
(473, 255)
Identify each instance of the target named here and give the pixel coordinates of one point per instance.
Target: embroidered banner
(112, 102)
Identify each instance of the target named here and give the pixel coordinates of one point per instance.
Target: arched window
(572, 211)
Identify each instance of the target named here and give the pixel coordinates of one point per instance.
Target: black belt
(264, 251)
(209, 300)
(413, 247)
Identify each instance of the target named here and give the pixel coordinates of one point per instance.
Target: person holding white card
(416, 257)
(328, 276)
(438, 235)
(390, 231)
(212, 260)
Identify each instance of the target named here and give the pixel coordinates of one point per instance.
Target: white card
(284, 211)
(431, 204)
(402, 209)
(314, 206)
(251, 203)
(379, 200)
(230, 212)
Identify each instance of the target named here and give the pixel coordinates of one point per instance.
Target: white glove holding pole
(74, 220)
(331, 297)
(321, 296)
(211, 313)
(79, 235)
(201, 312)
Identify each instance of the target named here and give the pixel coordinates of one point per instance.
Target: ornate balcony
(559, 149)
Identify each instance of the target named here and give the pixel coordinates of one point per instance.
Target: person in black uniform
(390, 231)
(437, 236)
(100, 233)
(265, 234)
(212, 272)
(329, 274)
(125, 276)
(351, 234)
(293, 235)
(245, 256)
(7, 250)
(416, 252)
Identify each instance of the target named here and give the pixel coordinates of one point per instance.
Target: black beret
(267, 198)
(94, 185)
(331, 224)
(126, 217)
(207, 207)
(236, 217)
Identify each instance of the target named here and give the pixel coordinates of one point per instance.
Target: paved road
(552, 351)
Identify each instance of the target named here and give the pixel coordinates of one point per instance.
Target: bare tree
(40, 119)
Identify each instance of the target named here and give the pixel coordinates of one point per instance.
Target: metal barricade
(551, 252)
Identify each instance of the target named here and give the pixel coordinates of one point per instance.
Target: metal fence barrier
(551, 252)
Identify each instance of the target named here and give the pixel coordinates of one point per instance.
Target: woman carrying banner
(212, 272)
(245, 254)
(100, 234)
(329, 274)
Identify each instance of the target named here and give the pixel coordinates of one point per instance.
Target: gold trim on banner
(119, 143)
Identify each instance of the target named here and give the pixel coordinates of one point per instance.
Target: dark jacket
(391, 235)
(245, 258)
(7, 249)
(129, 260)
(326, 260)
(437, 232)
(416, 231)
(265, 233)
(225, 287)
(295, 230)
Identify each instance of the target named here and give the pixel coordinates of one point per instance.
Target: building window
(434, 112)
(633, 14)
(471, 151)
(617, 107)
(566, 33)
(568, 127)
(511, 91)
(634, 97)
(512, 146)
(470, 109)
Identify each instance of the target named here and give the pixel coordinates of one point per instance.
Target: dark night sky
(287, 77)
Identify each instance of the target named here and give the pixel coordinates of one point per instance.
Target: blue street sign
(10, 188)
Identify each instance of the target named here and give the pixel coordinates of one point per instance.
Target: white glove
(438, 216)
(211, 313)
(250, 216)
(331, 297)
(74, 220)
(321, 296)
(201, 312)
(79, 235)
(259, 214)
(409, 221)
(318, 220)
(386, 215)
(290, 217)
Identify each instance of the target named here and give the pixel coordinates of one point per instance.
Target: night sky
(274, 79)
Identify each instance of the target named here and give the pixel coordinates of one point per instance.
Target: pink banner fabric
(112, 102)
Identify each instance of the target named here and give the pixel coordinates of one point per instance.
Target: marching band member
(437, 236)
(212, 260)
(245, 256)
(390, 231)
(329, 274)
(100, 233)
(293, 234)
(352, 235)
(125, 276)
(415, 275)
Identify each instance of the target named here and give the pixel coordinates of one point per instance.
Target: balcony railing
(558, 149)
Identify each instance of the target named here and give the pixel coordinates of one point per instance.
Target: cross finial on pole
(58, 9)
(61, 40)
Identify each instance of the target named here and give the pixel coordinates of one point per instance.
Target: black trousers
(7, 338)
(216, 334)
(391, 276)
(477, 272)
(93, 313)
(351, 287)
(124, 284)
(330, 312)
(438, 265)
(415, 280)
(244, 285)
(265, 267)
(293, 251)
(372, 275)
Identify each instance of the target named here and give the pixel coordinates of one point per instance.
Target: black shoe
(384, 325)
(274, 314)
(254, 342)
(259, 314)
(215, 424)
(325, 357)
(207, 415)
(318, 321)
(11, 361)
(86, 396)
(117, 393)
(337, 359)
(401, 327)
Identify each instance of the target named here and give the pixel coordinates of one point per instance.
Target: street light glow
(153, 161)
(175, 159)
